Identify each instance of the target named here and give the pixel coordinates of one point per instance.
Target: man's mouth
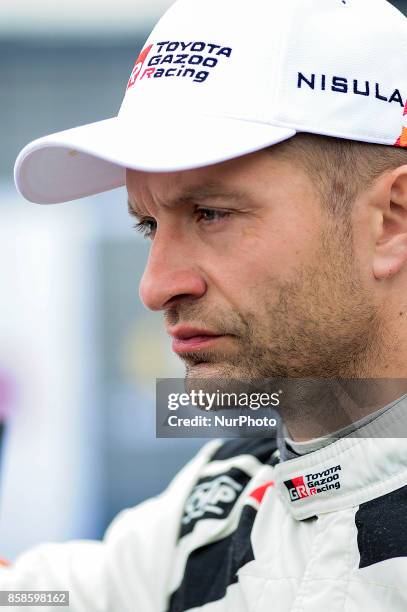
(189, 339)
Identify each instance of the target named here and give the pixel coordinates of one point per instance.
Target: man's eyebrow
(196, 195)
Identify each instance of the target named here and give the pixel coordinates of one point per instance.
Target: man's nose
(170, 275)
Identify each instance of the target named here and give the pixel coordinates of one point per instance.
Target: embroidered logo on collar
(314, 484)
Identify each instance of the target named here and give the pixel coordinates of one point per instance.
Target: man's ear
(390, 255)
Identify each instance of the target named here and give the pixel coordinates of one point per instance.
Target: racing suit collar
(369, 463)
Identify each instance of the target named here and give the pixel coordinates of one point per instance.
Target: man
(252, 140)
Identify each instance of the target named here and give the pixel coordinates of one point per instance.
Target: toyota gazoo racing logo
(138, 66)
(313, 484)
(194, 60)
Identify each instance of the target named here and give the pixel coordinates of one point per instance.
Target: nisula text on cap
(345, 85)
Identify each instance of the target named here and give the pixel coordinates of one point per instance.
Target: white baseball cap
(218, 79)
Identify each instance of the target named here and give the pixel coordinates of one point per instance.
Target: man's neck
(388, 422)
(314, 409)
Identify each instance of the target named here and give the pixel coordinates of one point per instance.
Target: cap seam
(283, 45)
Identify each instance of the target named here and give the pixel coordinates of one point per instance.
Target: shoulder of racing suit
(227, 535)
(134, 560)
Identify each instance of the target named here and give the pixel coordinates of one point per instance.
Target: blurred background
(79, 354)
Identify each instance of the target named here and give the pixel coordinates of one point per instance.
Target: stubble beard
(322, 324)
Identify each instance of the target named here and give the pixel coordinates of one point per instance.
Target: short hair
(340, 169)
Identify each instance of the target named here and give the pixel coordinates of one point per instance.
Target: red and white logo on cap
(179, 59)
(138, 66)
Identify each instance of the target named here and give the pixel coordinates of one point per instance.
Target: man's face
(254, 277)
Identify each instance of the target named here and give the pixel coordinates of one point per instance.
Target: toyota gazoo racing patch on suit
(307, 485)
(179, 59)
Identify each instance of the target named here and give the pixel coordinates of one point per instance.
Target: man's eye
(210, 214)
(146, 227)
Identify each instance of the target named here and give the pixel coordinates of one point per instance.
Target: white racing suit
(237, 531)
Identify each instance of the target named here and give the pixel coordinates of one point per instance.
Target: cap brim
(93, 158)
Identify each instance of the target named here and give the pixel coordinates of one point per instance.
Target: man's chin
(216, 370)
(209, 377)
(222, 377)
(204, 369)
